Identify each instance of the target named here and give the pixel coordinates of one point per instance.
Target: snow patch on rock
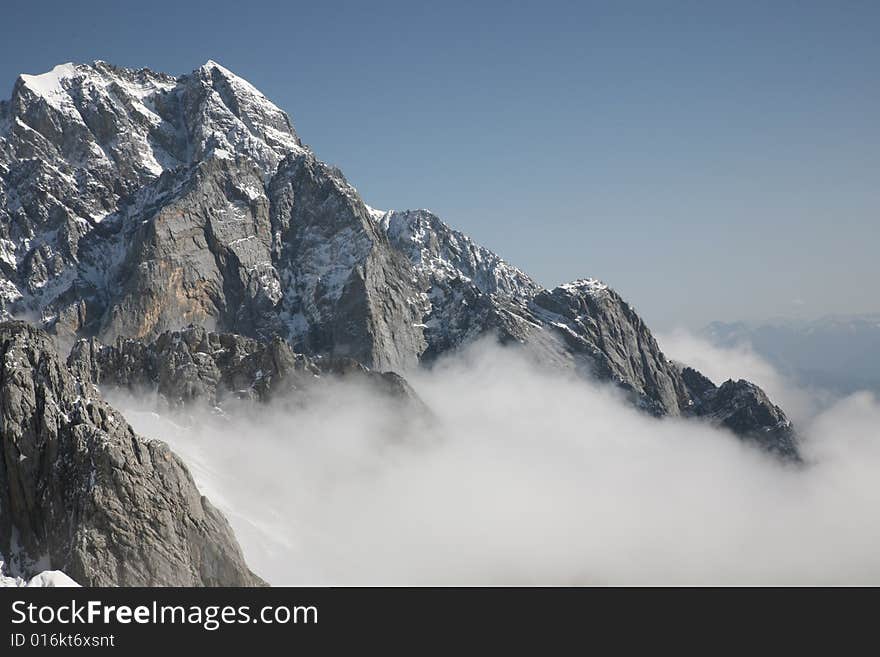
(47, 578)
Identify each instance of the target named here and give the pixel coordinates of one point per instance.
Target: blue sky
(709, 160)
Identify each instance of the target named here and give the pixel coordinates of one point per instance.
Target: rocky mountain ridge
(194, 365)
(135, 204)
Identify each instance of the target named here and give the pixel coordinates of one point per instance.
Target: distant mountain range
(840, 354)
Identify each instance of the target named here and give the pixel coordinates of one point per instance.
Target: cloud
(530, 477)
(742, 362)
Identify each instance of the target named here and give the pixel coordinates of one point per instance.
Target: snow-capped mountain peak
(134, 202)
(444, 252)
(86, 142)
(48, 85)
(237, 116)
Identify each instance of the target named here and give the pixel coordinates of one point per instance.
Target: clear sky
(710, 160)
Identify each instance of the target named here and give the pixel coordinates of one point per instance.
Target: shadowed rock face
(594, 320)
(82, 493)
(133, 203)
(585, 326)
(743, 408)
(196, 365)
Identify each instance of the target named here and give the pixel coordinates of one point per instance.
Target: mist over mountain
(172, 238)
(840, 354)
(529, 475)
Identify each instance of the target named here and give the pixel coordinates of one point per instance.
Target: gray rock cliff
(82, 493)
(196, 365)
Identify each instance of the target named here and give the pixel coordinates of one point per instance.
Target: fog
(530, 477)
(801, 402)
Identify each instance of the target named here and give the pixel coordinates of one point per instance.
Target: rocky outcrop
(465, 290)
(595, 321)
(201, 254)
(89, 153)
(743, 408)
(82, 493)
(196, 365)
(347, 292)
(584, 325)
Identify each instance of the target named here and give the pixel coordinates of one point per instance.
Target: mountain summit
(134, 202)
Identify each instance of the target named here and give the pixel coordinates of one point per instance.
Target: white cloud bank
(529, 477)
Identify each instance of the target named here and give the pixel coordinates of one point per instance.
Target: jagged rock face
(347, 292)
(595, 320)
(195, 365)
(82, 493)
(204, 256)
(466, 290)
(584, 325)
(82, 153)
(133, 203)
(173, 210)
(445, 254)
(743, 408)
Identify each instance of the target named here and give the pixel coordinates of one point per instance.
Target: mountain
(175, 233)
(839, 354)
(194, 365)
(82, 493)
(134, 203)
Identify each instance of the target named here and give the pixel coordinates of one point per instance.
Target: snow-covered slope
(82, 150)
(47, 578)
(443, 254)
